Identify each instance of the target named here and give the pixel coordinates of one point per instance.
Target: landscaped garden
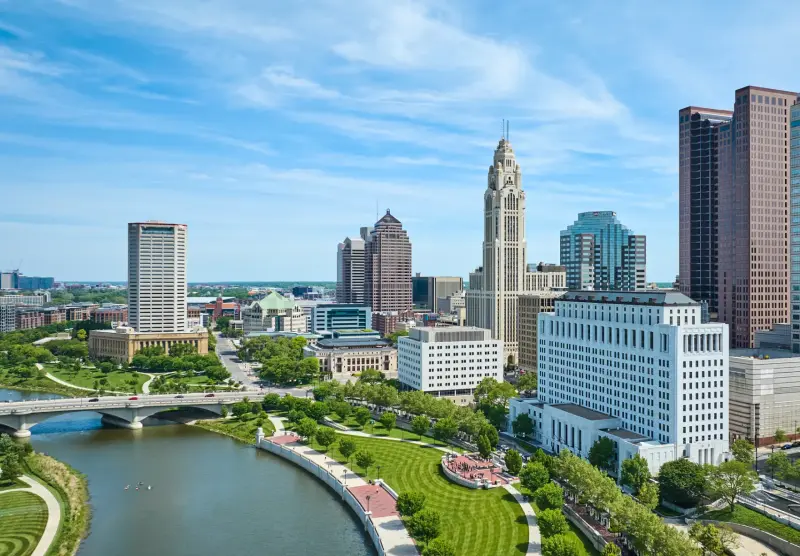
(242, 428)
(23, 516)
(94, 378)
(476, 522)
(746, 516)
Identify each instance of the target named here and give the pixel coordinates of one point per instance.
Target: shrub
(410, 502)
(552, 522)
(550, 496)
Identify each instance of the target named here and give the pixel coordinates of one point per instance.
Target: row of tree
(281, 359)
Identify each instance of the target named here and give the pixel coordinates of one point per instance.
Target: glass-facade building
(599, 253)
(795, 224)
(341, 316)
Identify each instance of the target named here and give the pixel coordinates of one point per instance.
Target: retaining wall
(781, 545)
(594, 537)
(329, 479)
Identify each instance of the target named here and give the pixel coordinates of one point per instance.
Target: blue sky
(274, 128)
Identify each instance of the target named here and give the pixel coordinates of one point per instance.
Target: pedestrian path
(277, 422)
(146, 385)
(83, 388)
(534, 535)
(53, 512)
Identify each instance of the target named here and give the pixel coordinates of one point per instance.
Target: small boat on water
(127, 487)
(137, 488)
(149, 487)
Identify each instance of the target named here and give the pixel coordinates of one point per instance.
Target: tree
(743, 451)
(10, 467)
(307, 428)
(566, 544)
(342, 409)
(410, 502)
(439, 547)
(491, 397)
(371, 376)
(491, 433)
(484, 448)
(682, 482)
(545, 459)
(347, 447)
(731, 479)
(534, 476)
(420, 425)
(527, 382)
(181, 350)
(388, 420)
(549, 496)
(425, 525)
(394, 336)
(445, 429)
(635, 473)
(552, 522)
(648, 495)
(713, 539)
(81, 335)
(271, 401)
(601, 454)
(778, 463)
(611, 549)
(325, 437)
(780, 436)
(318, 410)
(523, 425)
(362, 416)
(365, 459)
(513, 462)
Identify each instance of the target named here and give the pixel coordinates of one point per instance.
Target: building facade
(342, 356)
(427, 290)
(599, 253)
(388, 266)
(274, 313)
(449, 361)
(753, 274)
(350, 271)
(123, 343)
(636, 367)
(530, 305)
(452, 303)
(157, 276)
(794, 184)
(698, 183)
(335, 317)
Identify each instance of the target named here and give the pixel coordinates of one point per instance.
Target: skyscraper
(698, 178)
(795, 228)
(753, 273)
(350, 272)
(388, 266)
(157, 277)
(428, 289)
(600, 253)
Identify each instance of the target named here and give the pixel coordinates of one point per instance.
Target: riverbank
(71, 489)
(43, 385)
(244, 431)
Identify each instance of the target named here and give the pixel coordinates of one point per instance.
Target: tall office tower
(753, 273)
(600, 253)
(795, 228)
(426, 290)
(350, 272)
(698, 178)
(157, 277)
(657, 383)
(388, 266)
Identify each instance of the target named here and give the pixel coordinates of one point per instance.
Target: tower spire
(503, 129)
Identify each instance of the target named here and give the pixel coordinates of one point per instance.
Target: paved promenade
(394, 538)
(534, 535)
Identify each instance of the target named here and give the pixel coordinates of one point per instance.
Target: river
(211, 495)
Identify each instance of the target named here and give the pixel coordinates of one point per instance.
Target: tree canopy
(682, 482)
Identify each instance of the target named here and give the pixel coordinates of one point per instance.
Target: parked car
(211, 395)
(94, 399)
(796, 443)
(786, 446)
(133, 398)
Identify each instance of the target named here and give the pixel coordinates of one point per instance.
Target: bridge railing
(115, 403)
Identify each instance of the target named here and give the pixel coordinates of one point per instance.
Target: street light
(379, 472)
(369, 496)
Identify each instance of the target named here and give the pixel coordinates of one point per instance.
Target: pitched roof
(389, 218)
(274, 300)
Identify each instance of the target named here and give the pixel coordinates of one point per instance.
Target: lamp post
(379, 472)
(369, 497)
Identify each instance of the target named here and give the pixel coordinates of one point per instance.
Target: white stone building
(274, 313)
(496, 286)
(636, 367)
(448, 361)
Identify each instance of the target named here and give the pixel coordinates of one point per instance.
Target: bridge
(121, 411)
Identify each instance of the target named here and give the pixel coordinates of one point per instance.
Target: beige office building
(530, 305)
(124, 342)
(388, 266)
(274, 313)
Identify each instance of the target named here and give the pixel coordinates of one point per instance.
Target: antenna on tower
(508, 133)
(503, 129)
(376, 209)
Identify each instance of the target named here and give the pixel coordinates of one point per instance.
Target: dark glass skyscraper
(600, 253)
(795, 225)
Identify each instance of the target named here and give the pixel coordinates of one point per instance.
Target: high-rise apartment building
(388, 266)
(426, 290)
(530, 305)
(698, 178)
(350, 271)
(496, 286)
(753, 270)
(795, 225)
(637, 368)
(600, 253)
(157, 277)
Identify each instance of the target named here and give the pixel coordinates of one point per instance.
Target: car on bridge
(211, 395)
(94, 399)
(132, 398)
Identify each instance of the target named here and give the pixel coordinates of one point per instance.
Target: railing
(35, 407)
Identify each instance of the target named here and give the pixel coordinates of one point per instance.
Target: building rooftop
(275, 301)
(583, 412)
(202, 300)
(625, 434)
(649, 297)
(763, 354)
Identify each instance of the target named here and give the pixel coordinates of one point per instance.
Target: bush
(271, 401)
(425, 525)
(439, 547)
(295, 416)
(550, 496)
(552, 522)
(567, 544)
(410, 502)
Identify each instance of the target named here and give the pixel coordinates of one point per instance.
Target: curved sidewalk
(381, 520)
(53, 512)
(534, 535)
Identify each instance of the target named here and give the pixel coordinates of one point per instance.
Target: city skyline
(164, 111)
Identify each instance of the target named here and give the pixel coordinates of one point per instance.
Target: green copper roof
(274, 300)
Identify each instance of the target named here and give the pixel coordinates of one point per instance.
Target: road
(241, 372)
(116, 402)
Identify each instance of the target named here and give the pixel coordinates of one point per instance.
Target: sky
(277, 129)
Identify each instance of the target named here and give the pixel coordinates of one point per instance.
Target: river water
(211, 495)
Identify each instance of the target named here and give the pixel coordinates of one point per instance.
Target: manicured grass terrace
(746, 516)
(85, 378)
(23, 516)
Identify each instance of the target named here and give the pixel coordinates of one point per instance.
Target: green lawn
(590, 549)
(8, 485)
(244, 431)
(745, 516)
(22, 519)
(477, 522)
(86, 378)
(36, 385)
(379, 430)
